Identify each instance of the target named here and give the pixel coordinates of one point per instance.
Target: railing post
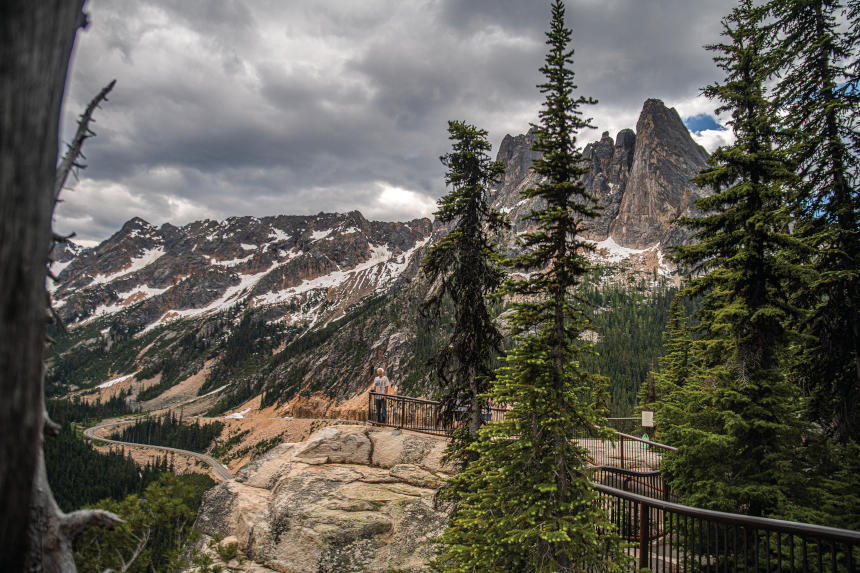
(643, 535)
(622, 452)
(370, 406)
(402, 413)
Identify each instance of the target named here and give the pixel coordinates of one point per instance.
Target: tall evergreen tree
(464, 268)
(820, 104)
(675, 365)
(735, 425)
(526, 503)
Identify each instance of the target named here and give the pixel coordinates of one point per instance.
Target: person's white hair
(380, 371)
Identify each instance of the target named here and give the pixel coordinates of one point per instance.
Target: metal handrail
(649, 442)
(775, 525)
(668, 536)
(492, 409)
(405, 398)
(628, 473)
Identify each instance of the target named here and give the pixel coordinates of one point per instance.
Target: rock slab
(350, 498)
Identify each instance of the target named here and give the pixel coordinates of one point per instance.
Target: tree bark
(36, 40)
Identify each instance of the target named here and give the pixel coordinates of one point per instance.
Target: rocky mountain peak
(641, 179)
(658, 188)
(136, 227)
(517, 155)
(661, 126)
(624, 144)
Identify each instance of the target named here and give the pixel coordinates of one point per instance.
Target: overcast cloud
(267, 107)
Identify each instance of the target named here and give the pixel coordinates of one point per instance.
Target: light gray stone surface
(350, 498)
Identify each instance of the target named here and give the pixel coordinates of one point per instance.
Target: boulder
(390, 450)
(337, 445)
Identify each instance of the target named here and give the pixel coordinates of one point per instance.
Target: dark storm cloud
(230, 108)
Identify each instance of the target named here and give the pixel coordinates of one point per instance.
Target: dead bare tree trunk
(36, 40)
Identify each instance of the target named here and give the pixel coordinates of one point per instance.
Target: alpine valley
(293, 313)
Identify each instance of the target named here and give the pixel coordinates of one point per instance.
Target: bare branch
(141, 545)
(75, 523)
(50, 428)
(63, 238)
(70, 158)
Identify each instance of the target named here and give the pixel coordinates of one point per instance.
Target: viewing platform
(663, 535)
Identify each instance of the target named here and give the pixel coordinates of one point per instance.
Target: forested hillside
(626, 322)
(172, 431)
(78, 474)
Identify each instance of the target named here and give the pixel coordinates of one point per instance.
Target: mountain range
(337, 294)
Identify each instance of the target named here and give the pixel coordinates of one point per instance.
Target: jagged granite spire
(658, 188)
(607, 179)
(641, 179)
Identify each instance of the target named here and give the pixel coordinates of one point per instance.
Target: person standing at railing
(381, 384)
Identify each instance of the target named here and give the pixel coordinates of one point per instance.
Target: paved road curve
(221, 471)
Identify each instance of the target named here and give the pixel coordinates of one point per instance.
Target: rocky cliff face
(659, 188)
(349, 499)
(641, 179)
(609, 167)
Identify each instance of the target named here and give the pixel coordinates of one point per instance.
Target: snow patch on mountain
(238, 415)
(231, 262)
(139, 293)
(110, 383)
(231, 296)
(148, 257)
(395, 268)
(57, 267)
(277, 235)
(610, 251)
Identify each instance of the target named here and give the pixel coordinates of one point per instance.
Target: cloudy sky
(264, 107)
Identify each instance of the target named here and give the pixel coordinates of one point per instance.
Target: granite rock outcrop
(350, 498)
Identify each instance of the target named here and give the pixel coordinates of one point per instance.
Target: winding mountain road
(220, 469)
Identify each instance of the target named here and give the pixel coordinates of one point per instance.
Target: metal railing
(664, 536)
(649, 484)
(668, 537)
(626, 452)
(415, 414)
